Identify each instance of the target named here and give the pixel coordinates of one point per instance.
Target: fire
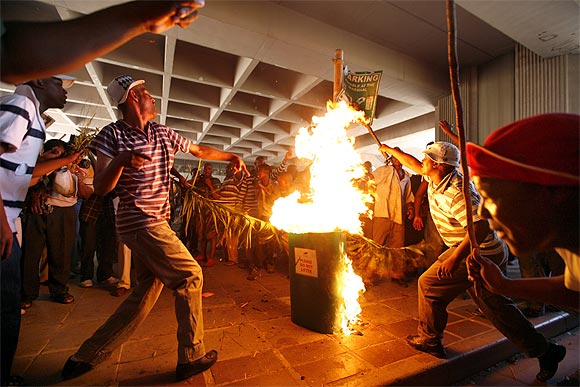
(333, 202)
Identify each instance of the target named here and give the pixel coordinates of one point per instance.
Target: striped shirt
(143, 194)
(447, 207)
(233, 192)
(22, 126)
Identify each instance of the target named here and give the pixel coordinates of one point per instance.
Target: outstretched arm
(406, 159)
(550, 290)
(70, 44)
(209, 153)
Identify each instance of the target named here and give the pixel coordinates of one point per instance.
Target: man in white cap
(447, 277)
(135, 155)
(22, 134)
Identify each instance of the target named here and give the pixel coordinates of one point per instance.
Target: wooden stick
(455, 90)
(338, 61)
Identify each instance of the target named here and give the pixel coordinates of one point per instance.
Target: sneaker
(199, 257)
(86, 284)
(254, 274)
(187, 370)
(431, 346)
(549, 361)
(209, 263)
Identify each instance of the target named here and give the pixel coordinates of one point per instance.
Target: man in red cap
(528, 175)
(447, 277)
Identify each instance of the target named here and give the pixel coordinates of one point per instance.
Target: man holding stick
(447, 277)
(528, 175)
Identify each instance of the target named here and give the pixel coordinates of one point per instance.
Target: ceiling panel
(247, 74)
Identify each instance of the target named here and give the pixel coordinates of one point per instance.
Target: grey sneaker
(431, 346)
(187, 370)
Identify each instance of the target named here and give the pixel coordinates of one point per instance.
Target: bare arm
(448, 267)
(550, 290)
(209, 153)
(70, 44)
(108, 170)
(406, 159)
(46, 165)
(448, 130)
(419, 195)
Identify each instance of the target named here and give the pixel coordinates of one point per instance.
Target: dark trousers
(99, 237)
(10, 301)
(57, 231)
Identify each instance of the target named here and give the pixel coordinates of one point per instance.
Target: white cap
(119, 88)
(67, 81)
(443, 152)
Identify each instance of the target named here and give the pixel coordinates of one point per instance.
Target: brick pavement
(249, 323)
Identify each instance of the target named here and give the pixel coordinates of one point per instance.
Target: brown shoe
(119, 292)
(431, 346)
(187, 370)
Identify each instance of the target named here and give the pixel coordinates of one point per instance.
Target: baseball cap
(119, 88)
(543, 149)
(443, 152)
(67, 81)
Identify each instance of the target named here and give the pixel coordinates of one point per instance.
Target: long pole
(338, 61)
(455, 90)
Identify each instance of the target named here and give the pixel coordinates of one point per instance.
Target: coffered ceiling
(247, 74)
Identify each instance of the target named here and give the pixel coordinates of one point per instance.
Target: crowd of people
(524, 202)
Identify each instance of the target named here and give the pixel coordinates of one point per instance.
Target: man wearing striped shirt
(447, 277)
(135, 155)
(22, 133)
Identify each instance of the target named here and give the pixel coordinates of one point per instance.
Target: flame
(333, 202)
(351, 285)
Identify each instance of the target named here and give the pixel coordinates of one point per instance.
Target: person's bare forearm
(209, 153)
(406, 159)
(106, 178)
(550, 290)
(86, 38)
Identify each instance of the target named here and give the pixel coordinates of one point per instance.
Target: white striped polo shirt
(447, 207)
(22, 126)
(144, 194)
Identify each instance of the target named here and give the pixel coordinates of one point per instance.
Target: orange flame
(333, 202)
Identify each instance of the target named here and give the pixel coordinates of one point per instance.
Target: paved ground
(249, 323)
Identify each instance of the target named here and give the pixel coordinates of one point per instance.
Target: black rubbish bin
(315, 266)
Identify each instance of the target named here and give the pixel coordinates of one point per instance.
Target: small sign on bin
(306, 263)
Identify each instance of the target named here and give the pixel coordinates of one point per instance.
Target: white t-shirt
(572, 272)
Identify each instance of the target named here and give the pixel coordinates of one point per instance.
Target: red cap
(543, 150)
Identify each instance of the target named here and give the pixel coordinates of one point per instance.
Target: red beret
(543, 150)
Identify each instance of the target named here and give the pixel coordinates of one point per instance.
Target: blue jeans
(160, 258)
(435, 294)
(10, 284)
